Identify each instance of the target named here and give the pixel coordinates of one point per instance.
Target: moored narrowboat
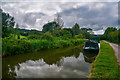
(90, 46)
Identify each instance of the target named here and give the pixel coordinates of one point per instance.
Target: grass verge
(105, 65)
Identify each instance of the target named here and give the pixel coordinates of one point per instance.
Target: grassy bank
(14, 47)
(105, 65)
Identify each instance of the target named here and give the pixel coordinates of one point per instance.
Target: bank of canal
(69, 62)
(105, 64)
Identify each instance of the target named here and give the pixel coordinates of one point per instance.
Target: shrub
(79, 36)
(47, 36)
(13, 47)
(114, 36)
(63, 33)
(34, 37)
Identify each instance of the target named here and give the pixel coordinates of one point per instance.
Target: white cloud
(33, 15)
(79, 4)
(100, 32)
(97, 6)
(63, 1)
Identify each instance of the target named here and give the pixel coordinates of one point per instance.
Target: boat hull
(91, 50)
(91, 47)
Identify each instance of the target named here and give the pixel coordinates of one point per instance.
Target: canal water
(71, 62)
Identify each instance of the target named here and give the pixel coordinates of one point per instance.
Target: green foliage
(47, 36)
(13, 47)
(16, 32)
(18, 41)
(111, 34)
(114, 37)
(34, 37)
(20, 47)
(25, 32)
(87, 35)
(96, 38)
(63, 33)
(107, 31)
(51, 26)
(7, 24)
(79, 36)
(7, 20)
(84, 30)
(76, 30)
(105, 65)
(70, 30)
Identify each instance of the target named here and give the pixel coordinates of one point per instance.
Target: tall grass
(16, 46)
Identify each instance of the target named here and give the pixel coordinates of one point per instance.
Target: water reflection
(89, 57)
(62, 63)
(69, 67)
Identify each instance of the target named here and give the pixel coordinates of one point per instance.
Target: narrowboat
(91, 46)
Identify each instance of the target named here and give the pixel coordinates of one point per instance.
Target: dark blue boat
(91, 46)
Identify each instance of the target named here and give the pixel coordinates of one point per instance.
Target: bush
(63, 33)
(47, 36)
(114, 37)
(34, 37)
(13, 47)
(79, 36)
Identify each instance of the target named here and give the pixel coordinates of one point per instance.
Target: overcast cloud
(95, 15)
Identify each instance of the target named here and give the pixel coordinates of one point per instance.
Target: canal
(70, 62)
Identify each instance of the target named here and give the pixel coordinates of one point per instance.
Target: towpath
(116, 49)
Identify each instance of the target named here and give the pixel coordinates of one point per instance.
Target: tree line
(55, 28)
(111, 34)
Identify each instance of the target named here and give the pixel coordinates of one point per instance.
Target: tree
(57, 24)
(7, 24)
(87, 35)
(76, 29)
(47, 36)
(59, 21)
(79, 36)
(113, 36)
(110, 29)
(84, 30)
(7, 20)
(70, 30)
(90, 31)
(107, 31)
(51, 26)
(64, 33)
(17, 32)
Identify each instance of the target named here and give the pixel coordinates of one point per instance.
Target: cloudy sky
(90, 14)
